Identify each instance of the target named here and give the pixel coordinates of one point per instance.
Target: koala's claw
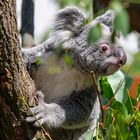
(38, 123)
(37, 120)
(39, 114)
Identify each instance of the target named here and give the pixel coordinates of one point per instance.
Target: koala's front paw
(50, 115)
(38, 114)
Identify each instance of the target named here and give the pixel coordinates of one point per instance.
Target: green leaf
(108, 118)
(138, 118)
(114, 81)
(121, 22)
(118, 121)
(112, 135)
(119, 108)
(113, 36)
(135, 125)
(116, 6)
(94, 34)
(133, 131)
(68, 60)
(106, 88)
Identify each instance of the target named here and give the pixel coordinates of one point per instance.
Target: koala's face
(103, 57)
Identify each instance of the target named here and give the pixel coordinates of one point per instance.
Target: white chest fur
(55, 79)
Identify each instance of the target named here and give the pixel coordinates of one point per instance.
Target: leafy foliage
(119, 123)
(121, 21)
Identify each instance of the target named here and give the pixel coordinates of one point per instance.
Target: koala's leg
(72, 112)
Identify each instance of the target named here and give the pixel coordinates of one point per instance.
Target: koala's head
(104, 57)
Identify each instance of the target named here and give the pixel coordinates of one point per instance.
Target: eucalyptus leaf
(106, 88)
(135, 125)
(119, 107)
(108, 118)
(116, 6)
(136, 117)
(94, 34)
(112, 134)
(114, 81)
(121, 22)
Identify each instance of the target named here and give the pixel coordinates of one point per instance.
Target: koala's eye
(104, 47)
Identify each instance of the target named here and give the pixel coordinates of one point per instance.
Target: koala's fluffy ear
(107, 19)
(67, 23)
(69, 19)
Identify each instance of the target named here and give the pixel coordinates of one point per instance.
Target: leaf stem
(99, 97)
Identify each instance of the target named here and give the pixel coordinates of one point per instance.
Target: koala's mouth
(112, 68)
(115, 65)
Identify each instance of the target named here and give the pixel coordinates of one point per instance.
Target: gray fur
(69, 19)
(71, 106)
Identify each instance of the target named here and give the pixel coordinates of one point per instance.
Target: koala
(68, 105)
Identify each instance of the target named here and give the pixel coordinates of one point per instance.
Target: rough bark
(14, 79)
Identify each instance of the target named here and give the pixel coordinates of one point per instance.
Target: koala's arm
(67, 24)
(69, 112)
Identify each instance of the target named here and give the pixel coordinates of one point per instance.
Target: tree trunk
(27, 23)
(15, 83)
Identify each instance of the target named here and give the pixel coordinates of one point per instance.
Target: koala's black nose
(121, 55)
